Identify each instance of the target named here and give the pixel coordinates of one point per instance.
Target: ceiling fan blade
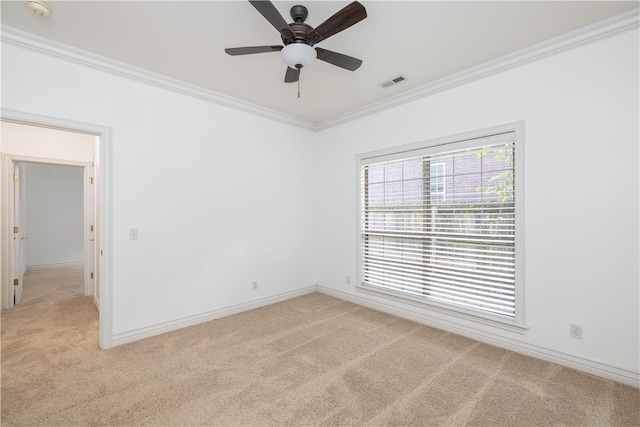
(271, 14)
(339, 59)
(343, 19)
(292, 75)
(233, 51)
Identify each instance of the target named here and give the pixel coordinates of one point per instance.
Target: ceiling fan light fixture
(297, 55)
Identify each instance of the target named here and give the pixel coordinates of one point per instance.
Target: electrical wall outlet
(255, 285)
(575, 331)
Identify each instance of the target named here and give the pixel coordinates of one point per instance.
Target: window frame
(434, 146)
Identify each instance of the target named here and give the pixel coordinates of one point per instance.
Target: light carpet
(312, 360)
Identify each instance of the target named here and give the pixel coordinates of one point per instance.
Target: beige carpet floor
(313, 360)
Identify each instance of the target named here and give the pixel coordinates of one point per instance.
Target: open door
(18, 263)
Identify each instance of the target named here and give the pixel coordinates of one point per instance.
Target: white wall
(55, 214)
(220, 198)
(581, 195)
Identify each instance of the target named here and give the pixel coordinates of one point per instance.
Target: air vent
(392, 82)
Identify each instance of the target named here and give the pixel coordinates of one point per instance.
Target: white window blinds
(438, 224)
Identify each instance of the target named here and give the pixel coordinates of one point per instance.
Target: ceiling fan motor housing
(300, 31)
(299, 13)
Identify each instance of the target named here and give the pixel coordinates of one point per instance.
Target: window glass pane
(413, 168)
(393, 172)
(412, 190)
(376, 173)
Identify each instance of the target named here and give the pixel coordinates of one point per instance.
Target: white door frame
(102, 188)
(17, 214)
(88, 249)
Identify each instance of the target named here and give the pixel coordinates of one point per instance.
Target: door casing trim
(102, 195)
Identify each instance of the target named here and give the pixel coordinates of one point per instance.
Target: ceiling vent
(392, 82)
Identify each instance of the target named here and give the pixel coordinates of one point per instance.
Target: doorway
(55, 221)
(96, 206)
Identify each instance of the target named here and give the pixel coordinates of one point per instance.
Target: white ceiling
(422, 40)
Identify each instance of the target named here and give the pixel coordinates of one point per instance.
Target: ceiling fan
(299, 38)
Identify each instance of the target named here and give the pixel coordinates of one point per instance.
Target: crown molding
(601, 30)
(42, 45)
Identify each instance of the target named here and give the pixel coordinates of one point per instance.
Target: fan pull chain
(299, 67)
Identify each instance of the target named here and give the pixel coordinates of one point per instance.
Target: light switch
(133, 234)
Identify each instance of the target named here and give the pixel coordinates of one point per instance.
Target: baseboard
(77, 264)
(622, 375)
(96, 302)
(161, 328)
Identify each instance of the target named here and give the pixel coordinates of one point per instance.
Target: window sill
(450, 310)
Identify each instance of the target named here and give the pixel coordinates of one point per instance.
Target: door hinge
(15, 177)
(92, 274)
(16, 282)
(15, 230)
(91, 179)
(91, 227)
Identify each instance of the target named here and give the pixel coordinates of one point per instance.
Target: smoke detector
(40, 8)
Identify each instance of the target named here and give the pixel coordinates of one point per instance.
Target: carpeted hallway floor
(313, 360)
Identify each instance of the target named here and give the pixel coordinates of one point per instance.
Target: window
(439, 224)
